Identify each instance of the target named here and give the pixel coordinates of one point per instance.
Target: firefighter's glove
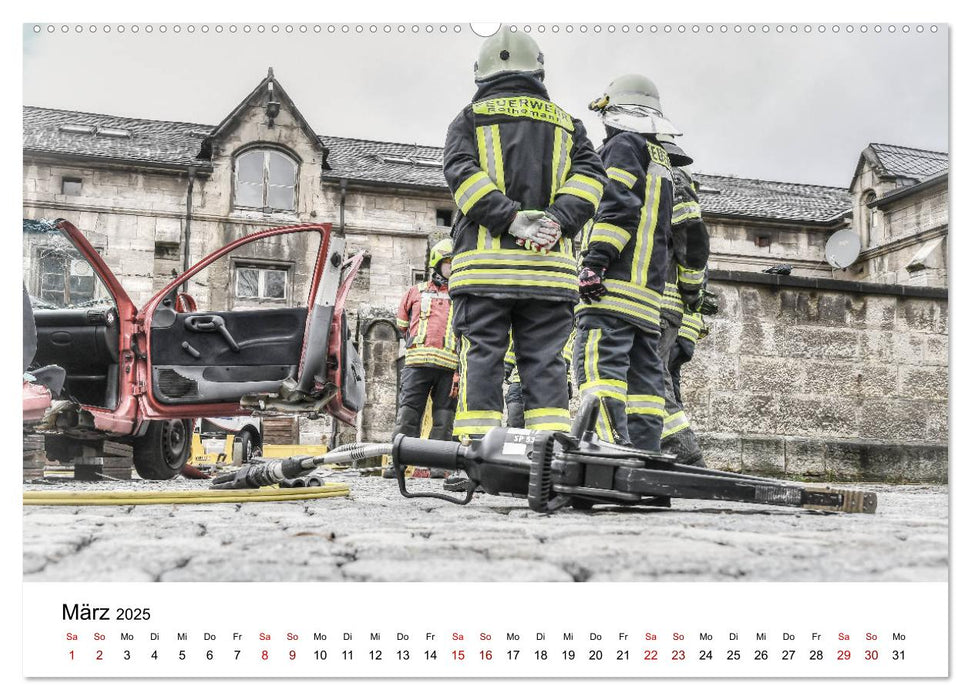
(709, 303)
(692, 300)
(535, 230)
(591, 284)
(454, 393)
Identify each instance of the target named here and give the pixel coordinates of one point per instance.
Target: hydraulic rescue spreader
(556, 469)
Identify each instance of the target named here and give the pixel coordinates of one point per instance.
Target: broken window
(266, 180)
(61, 277)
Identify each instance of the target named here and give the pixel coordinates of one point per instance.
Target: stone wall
(821, 379)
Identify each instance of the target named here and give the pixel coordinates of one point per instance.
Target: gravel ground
(376, 535)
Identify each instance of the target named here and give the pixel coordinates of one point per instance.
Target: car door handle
(212, 324)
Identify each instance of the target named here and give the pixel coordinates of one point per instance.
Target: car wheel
(163, 450)
(249, 448)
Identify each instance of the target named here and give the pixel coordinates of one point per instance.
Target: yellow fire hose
(140, 498)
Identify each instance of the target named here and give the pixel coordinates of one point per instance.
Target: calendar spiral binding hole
(445, 29)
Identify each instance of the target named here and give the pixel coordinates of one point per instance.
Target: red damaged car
(98, 368)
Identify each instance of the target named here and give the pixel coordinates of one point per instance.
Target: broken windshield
(56, 274)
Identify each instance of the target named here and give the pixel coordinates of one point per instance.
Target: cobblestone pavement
(376, 535)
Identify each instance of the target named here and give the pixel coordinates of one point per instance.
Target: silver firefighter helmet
(507, 51)
(632, 103)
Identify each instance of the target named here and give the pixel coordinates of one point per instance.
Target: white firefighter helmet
(507, 51)
(632, 103)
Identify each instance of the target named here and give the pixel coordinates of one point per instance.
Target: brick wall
(848, 382)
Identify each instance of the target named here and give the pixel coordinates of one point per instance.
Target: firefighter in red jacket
(425, 319)
(525, 178)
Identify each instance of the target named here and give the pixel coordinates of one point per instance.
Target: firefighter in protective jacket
(425, 319)
(687, 261)
(623, 267)
(525, 178)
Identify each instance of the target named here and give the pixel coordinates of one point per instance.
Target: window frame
(263, 266)
(74, 180)
(266, 150)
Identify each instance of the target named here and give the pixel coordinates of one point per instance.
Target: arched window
(267, 180)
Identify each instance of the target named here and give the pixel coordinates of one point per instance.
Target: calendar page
(368, 349)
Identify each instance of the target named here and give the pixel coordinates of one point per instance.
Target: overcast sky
(796, 107)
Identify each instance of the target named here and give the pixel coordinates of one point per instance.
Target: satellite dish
(843, 248)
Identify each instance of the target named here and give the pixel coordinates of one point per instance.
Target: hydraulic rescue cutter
(577, 469)
(554, 470)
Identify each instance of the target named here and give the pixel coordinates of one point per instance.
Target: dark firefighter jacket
(510, 150)
(688, 256)
(631, 229)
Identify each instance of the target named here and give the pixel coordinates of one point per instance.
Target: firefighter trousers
(681, 354)
(540, 329)
(514, 406)
(677, 435)
(619, 363)
(417, 383)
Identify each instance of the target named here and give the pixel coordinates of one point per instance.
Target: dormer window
(266, 179)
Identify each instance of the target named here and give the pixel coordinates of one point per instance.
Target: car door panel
(192, 366)
(203, 363)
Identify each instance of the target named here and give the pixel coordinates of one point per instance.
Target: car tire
(163, 450)
(250, 446)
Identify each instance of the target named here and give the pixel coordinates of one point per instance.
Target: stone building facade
(151, 195)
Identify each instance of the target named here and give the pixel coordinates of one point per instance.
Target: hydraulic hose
(274, 471)
(137, 498)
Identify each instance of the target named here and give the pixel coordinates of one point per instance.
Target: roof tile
(178, 143)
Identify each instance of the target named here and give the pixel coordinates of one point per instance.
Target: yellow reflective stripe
(431, 352)
(556, 168)
(568, 348)
(673, 423)
(689, 334)
(672, 298)
(693, 321)
(643, 295)
(472, 190)
(686, 275)
(685, 210)
(645, 405)
(463, 402)
(449, 331)
(479, 415)
(584, 187)
(402, 324)
(609, 233)
(524, 107)
(635, 311)
(645, 243)
(500, 178)
(547, 412)
(513, 276)
(613, 388)
(627, 179)
(508, 256)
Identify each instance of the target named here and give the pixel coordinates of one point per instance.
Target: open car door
(269, 338)
(80, 320)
